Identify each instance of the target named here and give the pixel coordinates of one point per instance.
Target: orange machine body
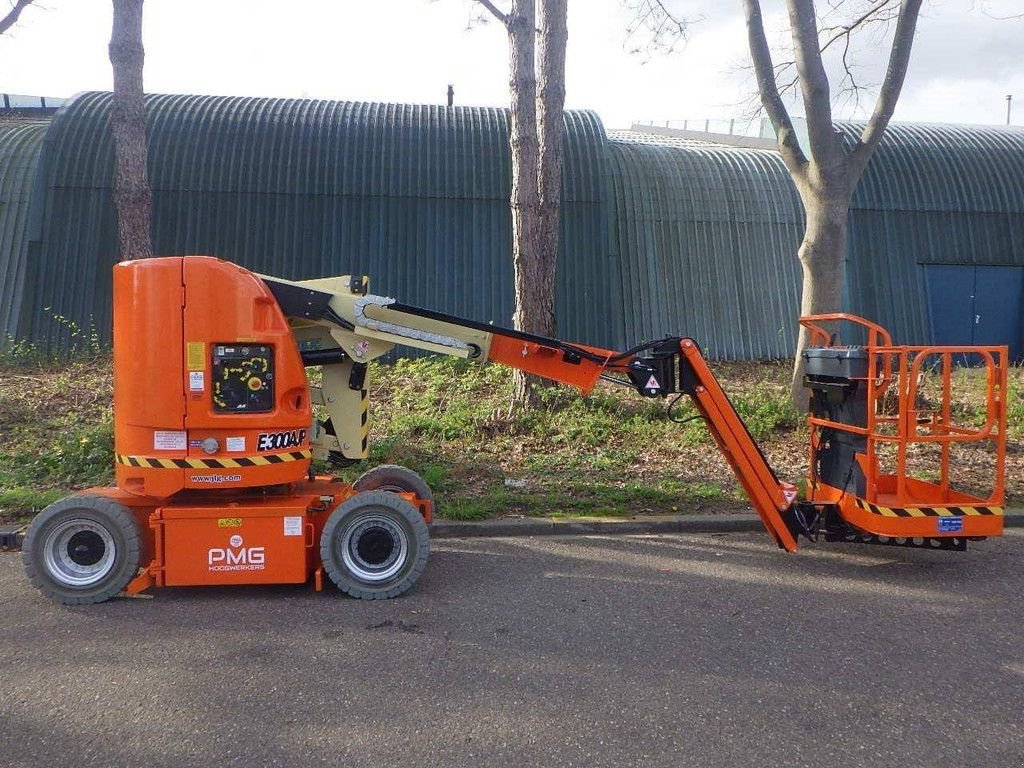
(254, 536)
(209, 389)
(213, 423)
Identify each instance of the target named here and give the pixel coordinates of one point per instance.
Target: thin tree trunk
(822, 256)
(525, 199)
(553, 36)
(824, 171)
(536, 129)
(128, 123)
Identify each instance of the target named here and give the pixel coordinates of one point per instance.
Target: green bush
(84, 456)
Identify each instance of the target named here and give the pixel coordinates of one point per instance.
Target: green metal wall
(658, 237)
(655, 240)
(20, 144)
(415, 196)
(705, 239)
(932, 194)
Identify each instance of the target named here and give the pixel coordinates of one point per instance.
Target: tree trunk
(536, 127)
(827, 174)
(553, 36)
(822, 256)
(525, 199)
(128, 123)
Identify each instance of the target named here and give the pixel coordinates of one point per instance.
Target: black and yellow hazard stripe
(930, 511)
(149, 462)
(364, 421)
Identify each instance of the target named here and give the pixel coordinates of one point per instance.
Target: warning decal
(264, 460)
(195, 356)
(652, 383)
(169, 441)
(940, 512)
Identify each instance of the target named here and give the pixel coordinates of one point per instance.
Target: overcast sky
(965, 62)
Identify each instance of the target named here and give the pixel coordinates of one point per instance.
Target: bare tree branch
(895, 74)
(767, 86)
(873, 14)
(880, 13)
(663, 29)
(983, 7)
(848, 86)
(814, 85)
(495, 11)
(849, 89)
(9, 20)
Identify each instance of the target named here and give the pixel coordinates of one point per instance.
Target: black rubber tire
(396, 479)
(403, 518)
(114, 518)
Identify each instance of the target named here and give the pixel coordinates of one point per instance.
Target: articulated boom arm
(339, 325)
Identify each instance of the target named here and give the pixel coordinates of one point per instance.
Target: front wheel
(396, 479)
(375, 545)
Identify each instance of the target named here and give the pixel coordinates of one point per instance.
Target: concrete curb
(726, 523)
(453, 529)
(11, 536)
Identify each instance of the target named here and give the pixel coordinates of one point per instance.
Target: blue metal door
(976, 305)
(950, 303)
(997, 307)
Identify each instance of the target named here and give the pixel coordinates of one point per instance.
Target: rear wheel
(82, 549)
(375, 545)
(395, 479)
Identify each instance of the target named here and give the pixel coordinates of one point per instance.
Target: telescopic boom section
(337, 323)
(772, 499)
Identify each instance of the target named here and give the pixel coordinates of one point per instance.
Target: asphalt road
(586, 651)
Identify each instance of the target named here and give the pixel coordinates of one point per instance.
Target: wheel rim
(79, 553)
(374, 548)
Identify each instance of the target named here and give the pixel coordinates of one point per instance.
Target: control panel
(243, 378)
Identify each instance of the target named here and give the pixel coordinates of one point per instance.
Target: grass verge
(612, 453)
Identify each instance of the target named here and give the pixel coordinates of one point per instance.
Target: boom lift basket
(873, 428)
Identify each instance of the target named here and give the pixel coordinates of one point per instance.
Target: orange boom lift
(215, 436)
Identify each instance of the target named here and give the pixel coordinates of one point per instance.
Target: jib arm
(770, 497)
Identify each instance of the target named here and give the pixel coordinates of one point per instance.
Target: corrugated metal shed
(932, 194)
(636, 136)
(706, 238)
(415, 196)
(659, 236)
(20, 143)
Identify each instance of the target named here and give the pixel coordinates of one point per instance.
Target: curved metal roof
(20, 144)
(707, 239)
(657, 237)
(931, 194)
(922, 167)
(303, 188)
